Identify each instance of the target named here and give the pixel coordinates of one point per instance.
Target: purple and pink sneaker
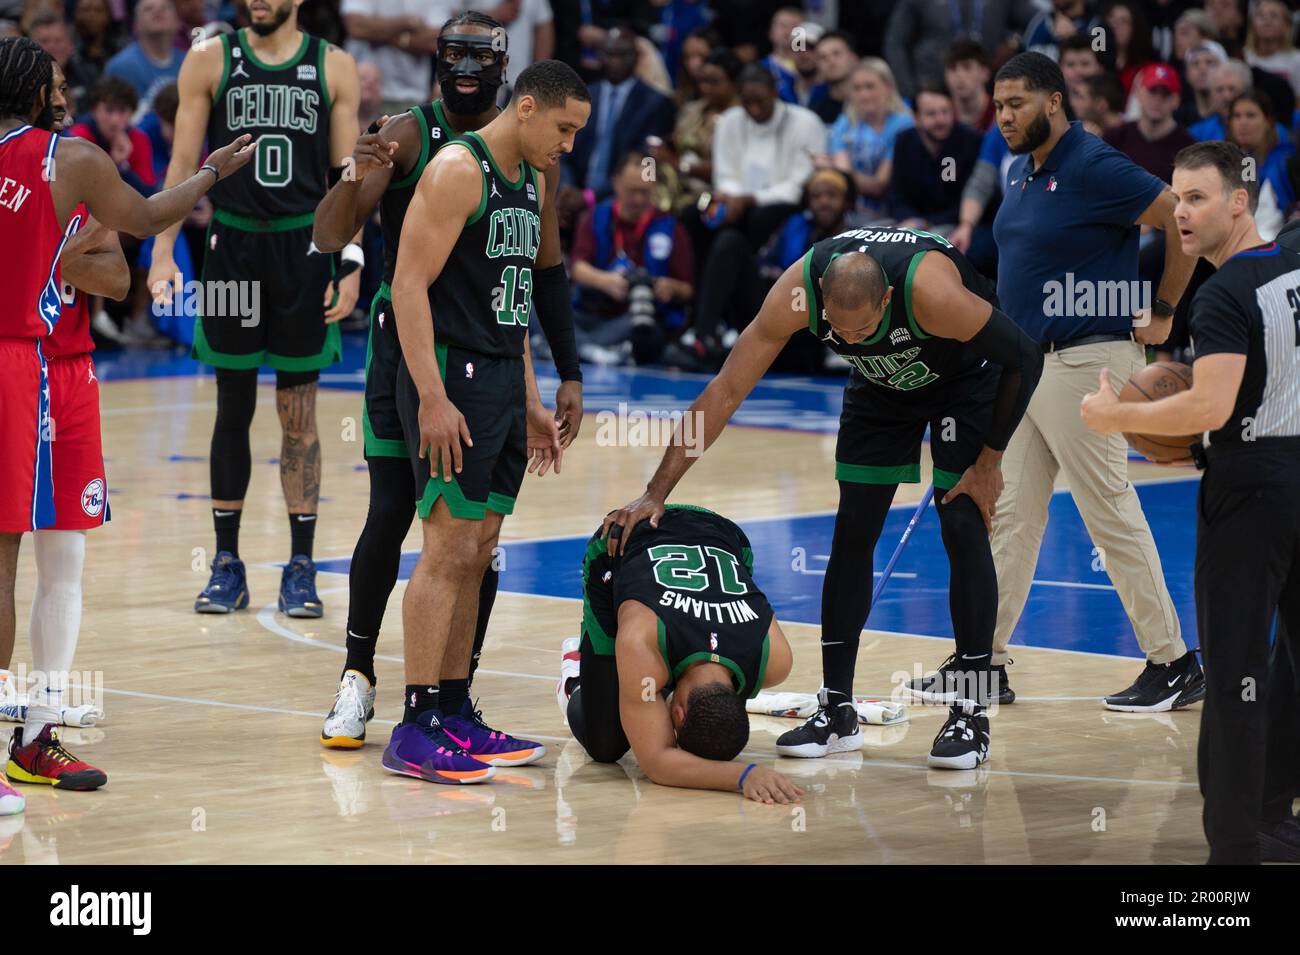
(486, 744)
(425, 750)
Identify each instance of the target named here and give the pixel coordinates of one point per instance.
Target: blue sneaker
(488, 745)
(424, 750)
(298, 589)
(227, 588)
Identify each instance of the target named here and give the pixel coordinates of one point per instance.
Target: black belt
(1087, 340)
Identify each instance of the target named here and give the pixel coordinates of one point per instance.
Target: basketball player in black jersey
(928, 345)
(298, 95)
(678, 612)
(1245, 398)
(467, 399)
(387, 163)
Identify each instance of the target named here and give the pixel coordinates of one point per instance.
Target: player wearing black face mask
(471, 69)
(386, 166)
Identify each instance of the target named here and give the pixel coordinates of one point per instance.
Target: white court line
(882, 764)
(266, 617)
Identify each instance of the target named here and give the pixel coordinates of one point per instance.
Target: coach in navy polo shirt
(1067, 236)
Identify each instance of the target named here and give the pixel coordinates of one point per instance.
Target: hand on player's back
(768, 786)
(233, 156)
(372, 152)
(442, 428)
(627, 517)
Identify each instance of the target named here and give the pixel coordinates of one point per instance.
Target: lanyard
(638, 230)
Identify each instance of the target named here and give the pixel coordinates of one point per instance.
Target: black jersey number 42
(513, 296)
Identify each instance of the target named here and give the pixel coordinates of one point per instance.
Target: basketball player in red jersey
(48, 188)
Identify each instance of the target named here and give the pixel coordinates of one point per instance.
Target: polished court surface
(211, 745)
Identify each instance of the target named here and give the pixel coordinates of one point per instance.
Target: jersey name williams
(514, 231)
(262, 106)
(731, 611)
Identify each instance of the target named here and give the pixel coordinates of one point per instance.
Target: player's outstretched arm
(1206, 406)
(86, 174)
(945, 308)
(554, 305)
(92, 262)
(197, 84)
(649, 727)
(783, 313)
(447, 194)
(362, 180)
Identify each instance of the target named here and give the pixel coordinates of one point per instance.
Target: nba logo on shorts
(92, 498)
(469, 369)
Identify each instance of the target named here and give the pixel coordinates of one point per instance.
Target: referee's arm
(1150, 329)
(1206, 406)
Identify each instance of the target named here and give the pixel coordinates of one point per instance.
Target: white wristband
(353, 253)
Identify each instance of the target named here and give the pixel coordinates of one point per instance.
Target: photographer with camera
(633, 269)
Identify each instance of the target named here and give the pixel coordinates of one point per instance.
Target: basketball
(1159, 380)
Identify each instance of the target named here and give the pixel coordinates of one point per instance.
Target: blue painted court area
(1072, 605)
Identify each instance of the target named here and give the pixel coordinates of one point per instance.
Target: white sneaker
(354, 706)
(12, 802)
(570, 667)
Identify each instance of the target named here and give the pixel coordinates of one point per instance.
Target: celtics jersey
(899, 356)
(286, 108)
(481, 299)
(435, 132)
(695, 572)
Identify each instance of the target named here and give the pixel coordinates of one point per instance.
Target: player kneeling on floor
(675, 637)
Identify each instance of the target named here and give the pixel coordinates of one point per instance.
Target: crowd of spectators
(727, 135)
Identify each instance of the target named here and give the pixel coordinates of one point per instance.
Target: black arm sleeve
(1002, 342)
(555, 311)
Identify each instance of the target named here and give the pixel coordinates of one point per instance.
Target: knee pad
(236, 398)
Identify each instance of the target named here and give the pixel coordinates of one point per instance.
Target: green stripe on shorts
(871, 474)
(503, 504)
(945, 480)
(459, 505)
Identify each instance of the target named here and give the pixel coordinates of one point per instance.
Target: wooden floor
(211, 738)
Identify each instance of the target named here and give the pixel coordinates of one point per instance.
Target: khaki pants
(1051, 438)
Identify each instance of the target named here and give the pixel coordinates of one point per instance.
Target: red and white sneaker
(46, 762)
(12, 802)
(570, 668)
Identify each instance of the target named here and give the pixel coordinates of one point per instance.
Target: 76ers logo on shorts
(92, 498)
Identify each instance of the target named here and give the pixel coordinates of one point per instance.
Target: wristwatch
(1162, 309)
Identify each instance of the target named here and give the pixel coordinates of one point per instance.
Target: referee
(1245, 327)
(1067, 235)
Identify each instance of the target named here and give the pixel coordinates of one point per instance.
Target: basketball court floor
(210, 741)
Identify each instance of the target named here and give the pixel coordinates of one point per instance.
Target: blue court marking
(1071, 606)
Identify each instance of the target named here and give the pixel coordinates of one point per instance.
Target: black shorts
(489, 391)
(281, 321)
(881, 431)
(379, 419)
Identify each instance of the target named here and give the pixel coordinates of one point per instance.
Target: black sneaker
(832, 729)
(940, 687)
(1281, 841)
(1161, 687)
(963, 743)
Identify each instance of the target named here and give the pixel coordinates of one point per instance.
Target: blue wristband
(741, 785)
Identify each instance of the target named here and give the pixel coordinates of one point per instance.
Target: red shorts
(51, 459)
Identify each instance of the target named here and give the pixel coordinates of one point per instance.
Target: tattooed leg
(300, 447)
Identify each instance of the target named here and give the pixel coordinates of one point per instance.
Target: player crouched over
(675, 637)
